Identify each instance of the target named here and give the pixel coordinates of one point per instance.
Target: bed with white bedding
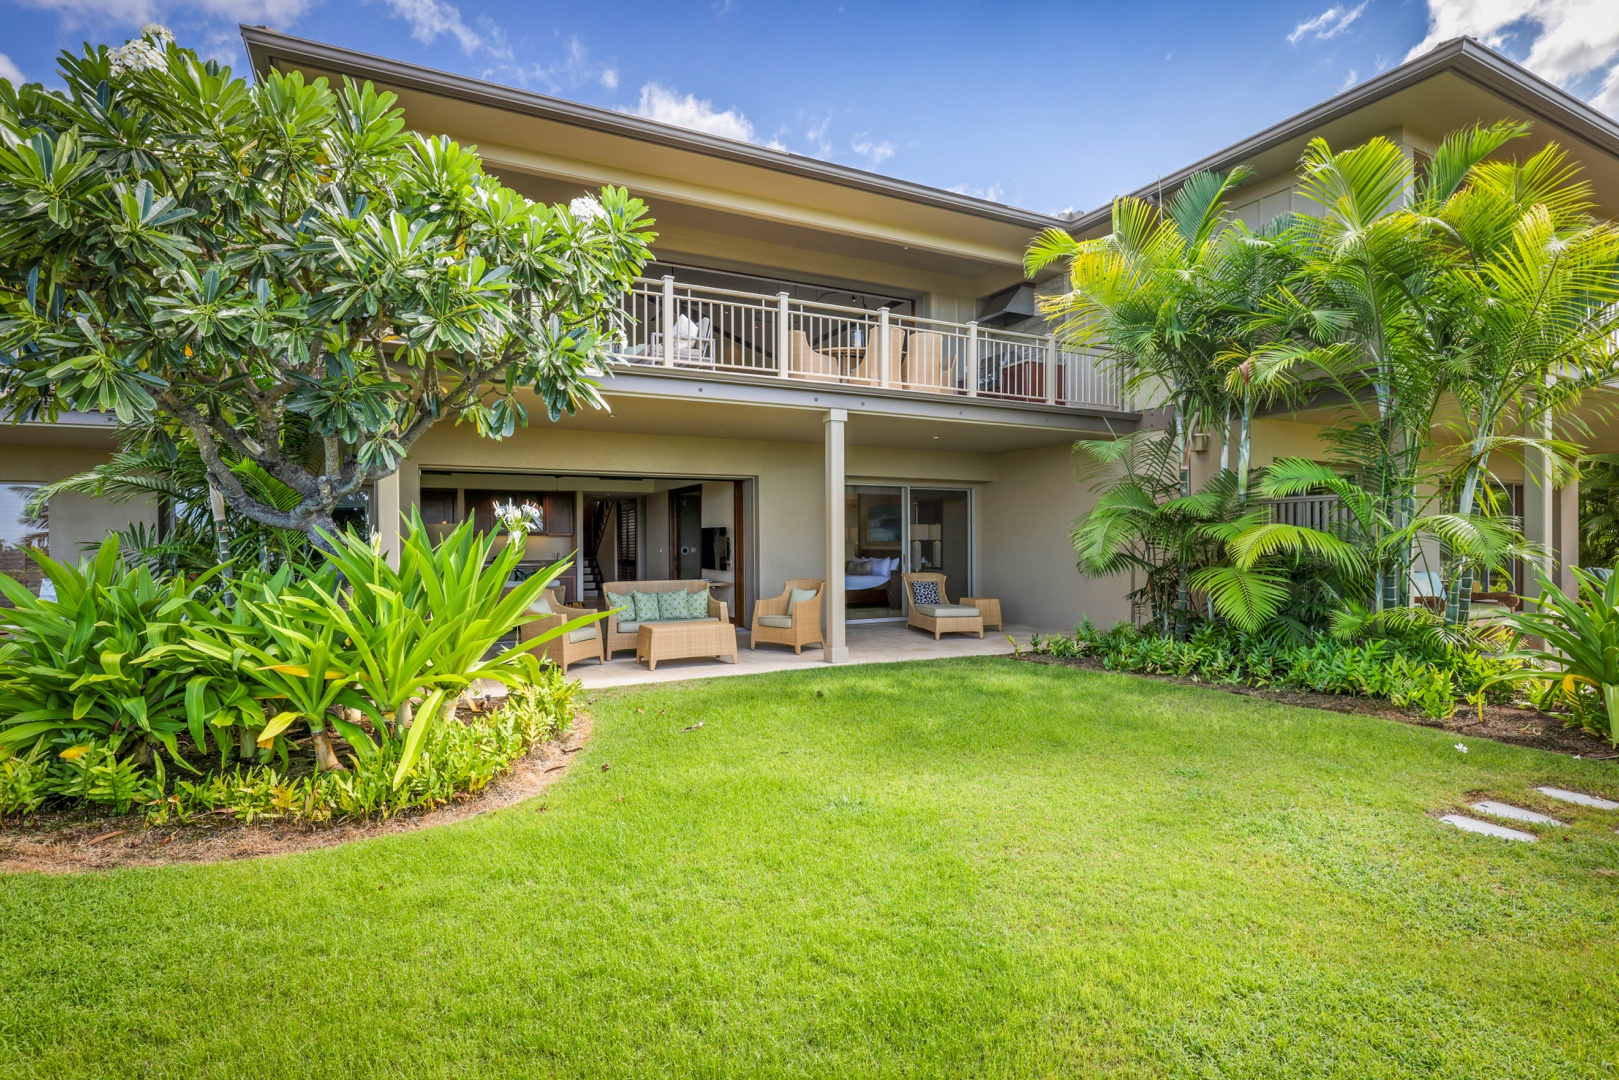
(867, 580)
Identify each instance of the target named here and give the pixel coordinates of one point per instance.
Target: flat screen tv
(716, 549)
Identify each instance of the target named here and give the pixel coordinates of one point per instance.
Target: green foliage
(229, 261)
(109, 655)
(124, 661)
(458, 757)
(1406, 670)
(1599, 511)
(1581, 636)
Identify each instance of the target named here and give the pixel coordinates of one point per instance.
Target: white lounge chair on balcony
(694, 343)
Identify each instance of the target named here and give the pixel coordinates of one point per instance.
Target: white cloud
(431, 19)
(667, 106)
(992, 193)
(10, 71)
(872, 150)
(1329, 24)
(1349, 80)
(1570, 42)
(574, 70)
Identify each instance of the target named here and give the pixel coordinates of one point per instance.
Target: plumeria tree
(241, 264)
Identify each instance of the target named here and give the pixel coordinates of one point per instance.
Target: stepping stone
(1579, 798)
(1473, 825)
(1515, 813)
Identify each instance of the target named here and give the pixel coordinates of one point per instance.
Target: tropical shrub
(1414, 671)
(1581, 636)
(369, 658)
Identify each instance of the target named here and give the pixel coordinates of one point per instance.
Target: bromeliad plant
(109, 657)
(1581, 636)
(429, 630)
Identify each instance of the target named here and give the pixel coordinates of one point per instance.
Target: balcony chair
(694, 343)
(935, 612)
(583, 643)
(793, 618)
(923, 367)
(623, 630)
(805, 362)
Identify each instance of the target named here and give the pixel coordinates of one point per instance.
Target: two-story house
(831, 373)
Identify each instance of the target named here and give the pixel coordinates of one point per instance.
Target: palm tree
(1528, 298)
(1135, 294)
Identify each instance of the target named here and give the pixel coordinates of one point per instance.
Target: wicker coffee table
(684, 640)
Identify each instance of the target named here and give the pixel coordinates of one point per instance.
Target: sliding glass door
(892, 530)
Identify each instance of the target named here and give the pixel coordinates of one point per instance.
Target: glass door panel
(940, 537)
(874, 552)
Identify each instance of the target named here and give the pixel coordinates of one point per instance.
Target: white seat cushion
(780, 622)
(628, 627)
(946, 611)
(584, 633)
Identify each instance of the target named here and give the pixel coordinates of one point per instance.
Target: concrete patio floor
(869, 643)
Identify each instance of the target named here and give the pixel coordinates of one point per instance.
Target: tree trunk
(1459, 605)
(322, 522)
(402, 718)
(216, 506)
(325, 757)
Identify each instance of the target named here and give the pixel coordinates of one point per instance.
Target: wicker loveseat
(780, 621)
(582, 643)
(621, 628)
(942, 617)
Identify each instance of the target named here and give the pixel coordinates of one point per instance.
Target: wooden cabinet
(559, 513)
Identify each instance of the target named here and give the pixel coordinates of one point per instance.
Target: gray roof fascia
(265, 45)
(1464, 56)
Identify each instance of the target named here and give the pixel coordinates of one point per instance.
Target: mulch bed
(83, 839)
(1501, 723)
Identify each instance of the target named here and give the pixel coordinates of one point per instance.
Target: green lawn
(962, 868)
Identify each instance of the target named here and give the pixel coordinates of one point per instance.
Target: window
(19, 532)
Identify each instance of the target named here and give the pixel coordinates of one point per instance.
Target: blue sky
(1049, 106)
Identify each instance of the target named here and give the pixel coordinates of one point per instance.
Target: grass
(965, 868)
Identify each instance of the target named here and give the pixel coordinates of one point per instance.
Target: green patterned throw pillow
(646, 606)
(697, 605)
(672, 605)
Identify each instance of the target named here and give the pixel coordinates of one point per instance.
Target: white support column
(389, 510)
(836, 651)
(1539, 517)
(1053, 369)
(784, 317)
(972, 358)
(669, 320)
(1566, 523)
(885, 370)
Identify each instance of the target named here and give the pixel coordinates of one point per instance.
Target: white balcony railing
(674, 325)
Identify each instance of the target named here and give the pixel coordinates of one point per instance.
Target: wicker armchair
(583, 643)
(621, 630)
(798, 627)
(943, 617)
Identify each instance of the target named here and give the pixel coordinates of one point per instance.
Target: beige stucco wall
(75, 520)
(1025, 558)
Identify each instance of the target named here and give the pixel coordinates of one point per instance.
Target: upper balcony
(700, 329)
